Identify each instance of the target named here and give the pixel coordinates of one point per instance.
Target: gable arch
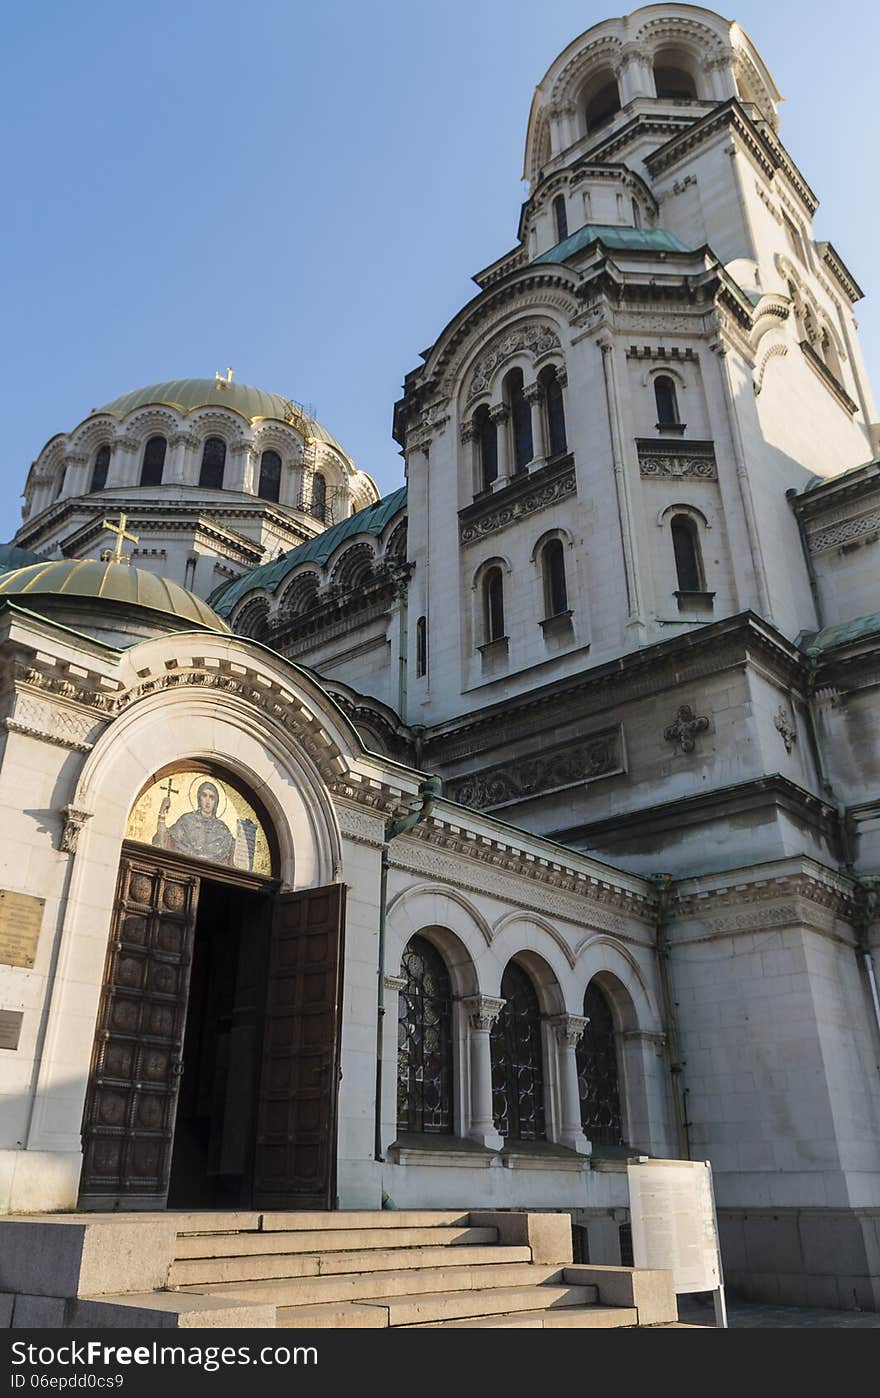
(423, 906)
(600, 955)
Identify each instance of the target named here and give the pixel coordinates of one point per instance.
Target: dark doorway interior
(212, 1163)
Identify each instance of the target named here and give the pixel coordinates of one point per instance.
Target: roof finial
(223, 380)
(117, 556)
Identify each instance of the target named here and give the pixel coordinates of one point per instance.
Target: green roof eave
(621, 239)
(841, 634)
(269, 576)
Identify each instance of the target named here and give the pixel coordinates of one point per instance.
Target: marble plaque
(10, 1028)
(21, 918)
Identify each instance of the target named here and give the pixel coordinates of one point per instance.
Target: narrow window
(421, 647)
(553, 569)
(493, 597)
(213, 463)
(154, 461)
(686, 548)
(424, 1042)
(517, 1060)
(667, 406)
(598, 1076)
(100, 468)
(487, 440)
(59, 483)
(603, 105)
(521, 420)
(560, 214)
(270, 476)
(637, 215)
(673, 83)
(319, 497)
(554, 409)
(795, 240)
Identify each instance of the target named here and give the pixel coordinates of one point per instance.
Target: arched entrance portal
(214, 1073)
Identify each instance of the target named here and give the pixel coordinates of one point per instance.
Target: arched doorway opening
(214, 1072)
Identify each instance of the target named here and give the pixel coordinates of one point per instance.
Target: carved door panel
(295, 1163)
(128, 1125)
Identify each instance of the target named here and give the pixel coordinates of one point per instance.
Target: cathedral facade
(449, 848)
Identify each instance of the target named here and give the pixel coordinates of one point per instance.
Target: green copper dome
(91, 580)
(252, 403)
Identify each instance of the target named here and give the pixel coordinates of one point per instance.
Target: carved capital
(468, 431)
(74, 821)
(568, 1029)
(482, 1011)
(397, 983)
(499, 413)
(532, 393)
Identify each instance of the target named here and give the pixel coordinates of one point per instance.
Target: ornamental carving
(482, 1011)
(784, 726)
(660, 460)
(686, 728)
(537, 340)
(568, 1029)
(498, 513)
(567, 764)
(865, 529)
(74, 821)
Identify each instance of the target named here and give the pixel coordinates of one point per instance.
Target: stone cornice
(165, 515)
(762, 145)
(840, 271)
(667, 664)
(816, 899)
(851, 487)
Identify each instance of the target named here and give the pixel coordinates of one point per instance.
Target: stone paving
(744, 1315)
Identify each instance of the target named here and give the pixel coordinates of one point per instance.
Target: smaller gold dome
(109, 582)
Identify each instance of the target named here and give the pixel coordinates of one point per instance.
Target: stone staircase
(371, 1270)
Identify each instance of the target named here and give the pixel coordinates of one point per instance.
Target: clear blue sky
(304, 190)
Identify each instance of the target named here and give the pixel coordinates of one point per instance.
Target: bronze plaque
(21, 918)
(10, 1028)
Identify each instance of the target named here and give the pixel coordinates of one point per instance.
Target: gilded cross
(121, 533)
(223, 380)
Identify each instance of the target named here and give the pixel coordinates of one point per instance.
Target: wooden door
(295, 1159)
(128, 1125)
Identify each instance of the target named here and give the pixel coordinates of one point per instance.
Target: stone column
(634, 616)
(567, 1030)
(77, 467)
(467, 435)
(242, 468)
(534, 396)
(482, 1012)
(123, 462)
(635, 76)
(500, 415)
(174, 471)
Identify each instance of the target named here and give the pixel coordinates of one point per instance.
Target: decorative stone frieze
(63, 726)
(519, 499)
(864, 529)
(536, 340)
(667, 460)
(567, 764)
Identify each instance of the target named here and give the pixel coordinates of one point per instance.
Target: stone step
(359, 1286)
(277, 1266)
(214, 1246)
(292, 1220)
(416, 1309)
(589, 1317)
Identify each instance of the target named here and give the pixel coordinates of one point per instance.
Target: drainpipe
(868, 908)
(845, 850)
(428, 792)
(791, 496)
(663, 885)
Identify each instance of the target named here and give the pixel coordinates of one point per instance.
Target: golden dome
(109, 582)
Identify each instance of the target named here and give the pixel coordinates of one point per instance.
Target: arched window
(493, 604)
(517, 1060)
(59, 483)
(598, 1076)
(424, 1041)
(637, 214)
(560, 215)
(603, 104)
(553, 571)
(270, 476)
(487, 445)
(319, 496)
(673, 82)
(100, 468)
(686, 547)
(520, 420)
(667, 404)
(554, 410)
(154, 461)
(829, 354)
(421, 647)
(213, 462)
